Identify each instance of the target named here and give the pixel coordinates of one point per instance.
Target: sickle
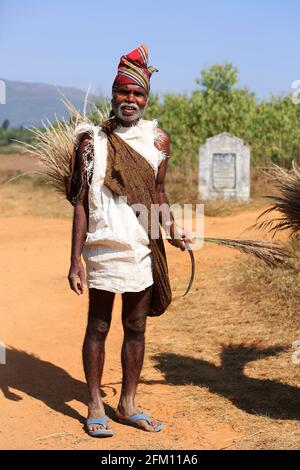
(192, 269)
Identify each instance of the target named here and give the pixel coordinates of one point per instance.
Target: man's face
(128, 102)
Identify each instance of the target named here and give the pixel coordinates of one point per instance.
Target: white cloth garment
(116, 251)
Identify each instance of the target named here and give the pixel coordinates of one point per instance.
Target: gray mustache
(131, 105)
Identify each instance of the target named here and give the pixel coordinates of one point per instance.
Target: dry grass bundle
(286, 202)
(273, 254)
(54, 145)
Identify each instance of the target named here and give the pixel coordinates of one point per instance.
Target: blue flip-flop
(99, 432)
(132, 421)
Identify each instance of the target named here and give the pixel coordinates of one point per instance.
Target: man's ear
(146, 105)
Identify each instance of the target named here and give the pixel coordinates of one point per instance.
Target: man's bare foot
(97, 411)
(123, 413)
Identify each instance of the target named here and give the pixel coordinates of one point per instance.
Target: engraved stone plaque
(224, 168)
(224, 171)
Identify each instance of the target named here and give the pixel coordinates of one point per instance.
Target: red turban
(133, 69)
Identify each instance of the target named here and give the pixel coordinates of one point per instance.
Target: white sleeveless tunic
(116, 250)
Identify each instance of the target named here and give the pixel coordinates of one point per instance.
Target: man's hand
(76, 277)
(180, 237)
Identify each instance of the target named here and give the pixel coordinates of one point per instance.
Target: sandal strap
(136, 417)
(101, 421)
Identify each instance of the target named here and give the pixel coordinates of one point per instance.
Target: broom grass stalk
(273, 254)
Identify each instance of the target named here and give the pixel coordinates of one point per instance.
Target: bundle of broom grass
(286, 201)
(55, 150)
(54, 145)
(273, 254)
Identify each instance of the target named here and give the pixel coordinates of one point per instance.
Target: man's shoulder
(162, 134)
(162, 138)
(85, 141)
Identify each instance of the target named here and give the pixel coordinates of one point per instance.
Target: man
(120, 254)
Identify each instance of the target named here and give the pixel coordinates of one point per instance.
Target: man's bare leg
(134, 315)
(93, 353)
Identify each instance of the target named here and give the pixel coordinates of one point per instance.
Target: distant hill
(28, 103)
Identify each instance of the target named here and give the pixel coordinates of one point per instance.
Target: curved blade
(192, 269)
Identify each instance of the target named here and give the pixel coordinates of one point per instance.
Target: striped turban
(133, 69)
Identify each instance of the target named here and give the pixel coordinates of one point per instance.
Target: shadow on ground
(255, 396)
(43, 381)
(53, 386)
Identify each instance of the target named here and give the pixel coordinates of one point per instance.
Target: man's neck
(128, 123)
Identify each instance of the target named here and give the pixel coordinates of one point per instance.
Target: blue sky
(75, 43)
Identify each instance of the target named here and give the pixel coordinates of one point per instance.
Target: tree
(5, 124)
(218, 78)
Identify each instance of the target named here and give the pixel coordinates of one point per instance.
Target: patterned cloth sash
(129, 174)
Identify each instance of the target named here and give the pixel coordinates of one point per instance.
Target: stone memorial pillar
(224, 168)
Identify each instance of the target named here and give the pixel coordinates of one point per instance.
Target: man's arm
(76, 274)
(178, 234)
